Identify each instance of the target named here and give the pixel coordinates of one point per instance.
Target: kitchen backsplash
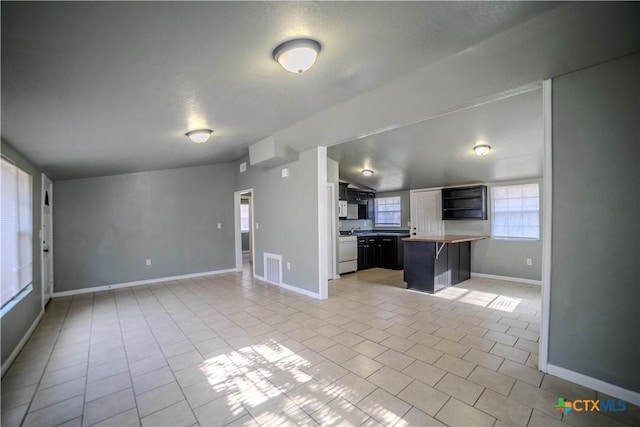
(360, 224)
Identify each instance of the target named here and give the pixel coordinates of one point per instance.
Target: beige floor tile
(423, 397)
(501, 338)
(375, 334)
(416, 417)
(319, 343)
(450, 334)
(312, 395)
(58, 393)
(401, 330)
(540, 419)
(108, 406)
(158, 398)
(461, 389)
(362, 365)
(455, 365)
(389, 380)
(178, 415)
(352, 387)
(384, 407)
(424, 372)
(535, 397)
(489, 361)
(184, 360)
(55, 414)
(468, 329)
(107, 386)
(503, 408)
(153, 379)
(481, 344)
(60, 376)
(526, 345)
(521, 372)
(424, 353)
(457, 413)
(339, 353)
(327, 372)
(510, 353)
(452, 347)
(492, 380)
(395, 359)
(13, 417)
(340, 412)
(398, 343)
(126, 419)
(370, 348)
(347, 339)
(17, 397)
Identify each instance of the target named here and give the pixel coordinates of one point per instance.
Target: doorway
(46, 240)
(244, 236)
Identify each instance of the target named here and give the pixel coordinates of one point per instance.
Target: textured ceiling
(439, 151)
(100, 88)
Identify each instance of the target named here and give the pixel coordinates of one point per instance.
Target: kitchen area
(363, 243)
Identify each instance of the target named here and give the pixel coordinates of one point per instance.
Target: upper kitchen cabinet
(464, 203)
(342, 191)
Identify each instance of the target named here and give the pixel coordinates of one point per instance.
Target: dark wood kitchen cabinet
(381, 251)
(464, 203)
(367, 252)
(342, 190)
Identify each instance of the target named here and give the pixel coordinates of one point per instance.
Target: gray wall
(16, 322)
(405, 204)
(286, 211)
(595, 292)
(501, 257)
(105, 228)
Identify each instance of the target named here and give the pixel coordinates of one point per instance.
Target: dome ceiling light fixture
(482, 149)
(199, 136)
(367, 172)
(297, 55)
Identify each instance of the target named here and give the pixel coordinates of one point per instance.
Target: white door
(426, 213)
(47, 239)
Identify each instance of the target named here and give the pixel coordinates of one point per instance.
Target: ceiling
(439, 151)
(101, 88)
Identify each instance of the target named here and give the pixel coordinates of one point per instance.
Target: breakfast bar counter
(432, 263)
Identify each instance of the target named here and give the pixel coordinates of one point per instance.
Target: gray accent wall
(17, 321)
(595, 268)
(286, 213)
(106, 228)
(501, 257)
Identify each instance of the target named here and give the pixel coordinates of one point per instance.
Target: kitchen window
(388, 212)
(16, 231)
(515, 212)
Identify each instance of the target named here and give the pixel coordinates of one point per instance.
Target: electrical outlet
(148, 262)
(288, 266)
(257, 226)
(219, 226)
(529, 261)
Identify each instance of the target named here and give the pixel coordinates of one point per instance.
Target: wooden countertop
(447, 238)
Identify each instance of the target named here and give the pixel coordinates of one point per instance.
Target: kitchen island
(433, 263)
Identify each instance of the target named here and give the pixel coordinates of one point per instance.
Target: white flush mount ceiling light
(200, 135)
(482, 149)
(367, 172)
(298, 55)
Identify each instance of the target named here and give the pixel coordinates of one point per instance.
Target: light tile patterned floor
(228, 349)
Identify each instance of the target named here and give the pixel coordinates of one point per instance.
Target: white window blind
(244, 217)
(515, 211)
(17, 234)
(388, 212)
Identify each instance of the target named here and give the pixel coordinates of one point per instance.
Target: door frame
(237, 232)
(47, 185)
(332, 241)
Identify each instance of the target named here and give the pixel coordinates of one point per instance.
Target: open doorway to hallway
(244, 237)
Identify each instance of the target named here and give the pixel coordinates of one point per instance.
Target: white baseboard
(21, 344)
(139, 283)
(290, 288)
(595, 384)
(507, 278)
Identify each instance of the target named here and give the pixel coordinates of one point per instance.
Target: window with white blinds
(515, 212)
(388, 212)
(244, 217)
(17, 230)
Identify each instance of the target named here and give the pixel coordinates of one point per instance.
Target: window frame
(523, 212)
(398, 211)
